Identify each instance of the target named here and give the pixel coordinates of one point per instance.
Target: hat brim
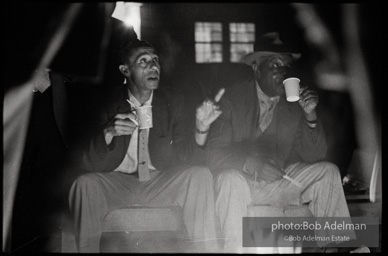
(255, 56)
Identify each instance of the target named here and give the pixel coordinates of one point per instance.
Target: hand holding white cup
(292, 88)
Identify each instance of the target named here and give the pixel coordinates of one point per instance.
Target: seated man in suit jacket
(260, 138)
(127, 170)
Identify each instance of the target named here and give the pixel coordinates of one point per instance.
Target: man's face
(144, 68)
(271, 73)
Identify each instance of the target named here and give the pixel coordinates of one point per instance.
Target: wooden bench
(143, 229)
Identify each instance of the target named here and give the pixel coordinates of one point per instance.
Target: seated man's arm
(107, 145)
(206, 114)
(222, 152)
(310, 143)
(184, 142)
(310, 140)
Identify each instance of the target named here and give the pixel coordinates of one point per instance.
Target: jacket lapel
(160, 115)
(122, 106)
(244, 99)
(252, 109)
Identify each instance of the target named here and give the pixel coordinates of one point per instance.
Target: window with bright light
(242, 39)
(208, 42)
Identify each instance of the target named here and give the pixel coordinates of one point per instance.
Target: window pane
(237, 51)
(250, 27)
(216, 26)
(233, 27)
(242, 38)
(216, 36)
(216, 52)
(208, 32)
(242, 32)
(208, 53)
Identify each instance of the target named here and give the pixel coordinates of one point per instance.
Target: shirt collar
(262, 96)
(135, 103)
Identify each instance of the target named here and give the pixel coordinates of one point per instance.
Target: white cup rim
(290, 79)
(144, 107)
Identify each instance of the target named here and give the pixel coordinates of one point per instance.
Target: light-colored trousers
(93, 195)
(321, 189)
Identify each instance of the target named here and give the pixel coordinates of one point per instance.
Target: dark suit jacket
(171, 140)
(233, 136)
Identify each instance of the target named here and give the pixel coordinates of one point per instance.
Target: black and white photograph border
(60, 63)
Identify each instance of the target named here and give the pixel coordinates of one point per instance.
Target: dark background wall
(166, 23)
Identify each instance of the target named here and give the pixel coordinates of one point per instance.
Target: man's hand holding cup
(121, 124)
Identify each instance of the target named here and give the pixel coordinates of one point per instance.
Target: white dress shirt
(130, 161)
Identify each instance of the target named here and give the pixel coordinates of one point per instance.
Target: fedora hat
(269, 44)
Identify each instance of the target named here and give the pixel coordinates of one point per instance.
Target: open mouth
(153, 78)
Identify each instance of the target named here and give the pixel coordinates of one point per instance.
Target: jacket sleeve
(98, 156)
(185, 146)
(222, 153)
(310, 143)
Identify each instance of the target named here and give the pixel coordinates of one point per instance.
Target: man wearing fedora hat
(265, 150)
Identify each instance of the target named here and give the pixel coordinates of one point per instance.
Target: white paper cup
(144, 116)
(291, 85)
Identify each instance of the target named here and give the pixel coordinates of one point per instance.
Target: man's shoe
(362, 249)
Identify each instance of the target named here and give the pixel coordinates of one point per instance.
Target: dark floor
(360, 206)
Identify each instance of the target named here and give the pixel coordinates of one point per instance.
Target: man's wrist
(311, 123)
(201, 129)
(311, 119)
(198, 131)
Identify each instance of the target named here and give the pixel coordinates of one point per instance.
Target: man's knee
(199, 173)
(86, 181)
(329, 169)
(230, 176)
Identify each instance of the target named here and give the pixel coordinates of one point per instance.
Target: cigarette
(293, 181)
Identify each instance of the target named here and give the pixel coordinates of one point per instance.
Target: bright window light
(208, 42)
(242, 38)
(129, 13)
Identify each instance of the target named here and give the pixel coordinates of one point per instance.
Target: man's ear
(124, 70)
(255, 68)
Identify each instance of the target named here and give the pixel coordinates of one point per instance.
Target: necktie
(144, 172)
(268, 115)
